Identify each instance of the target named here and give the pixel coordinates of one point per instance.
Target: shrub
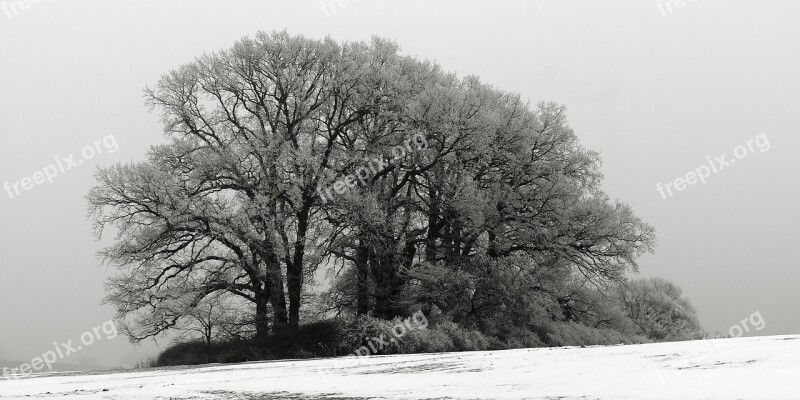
(524, 340)
(496, 344)
(575, 334)
(331, 338)
(443, 336)
(431, 340)
(464, 339)
(358, 333)
(198, 352)
(318, 339)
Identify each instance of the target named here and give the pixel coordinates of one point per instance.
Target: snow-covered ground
(743, 368)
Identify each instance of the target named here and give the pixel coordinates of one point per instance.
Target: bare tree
(216, 318)
(228, 205)
(659, 310)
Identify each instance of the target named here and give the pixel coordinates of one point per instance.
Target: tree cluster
(492, 217)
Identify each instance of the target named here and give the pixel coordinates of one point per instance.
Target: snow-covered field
(744, 368)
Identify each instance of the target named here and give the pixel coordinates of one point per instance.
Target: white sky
(655, 93)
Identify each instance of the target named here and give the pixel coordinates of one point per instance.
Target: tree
(455, 178)
(659, 310)
(228, 204)
(175, 247)
(216, 318)
(498, 179)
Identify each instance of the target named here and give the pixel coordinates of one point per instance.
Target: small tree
(658, 309)
(215, 318)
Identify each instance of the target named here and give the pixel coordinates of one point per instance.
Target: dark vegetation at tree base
(304, 180)
(647, 314)
(319, 339)
(330, 339)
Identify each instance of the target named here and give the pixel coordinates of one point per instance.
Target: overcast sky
(655, 90)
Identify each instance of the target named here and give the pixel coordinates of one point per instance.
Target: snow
(742, 368)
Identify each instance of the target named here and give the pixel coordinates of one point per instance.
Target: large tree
(229, 202)
(455, 178)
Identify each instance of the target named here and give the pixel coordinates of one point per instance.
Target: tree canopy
(460, 197)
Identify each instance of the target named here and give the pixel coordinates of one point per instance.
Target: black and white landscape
(344, 199)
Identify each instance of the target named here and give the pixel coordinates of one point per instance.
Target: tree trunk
(387, 284)
(278, 294)
(455, 249)
(362, 268)
(492, 252)
(262, 318)
(294, 278)
(433, 228)
(294, 272)
(278, 301)
(409, 251)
